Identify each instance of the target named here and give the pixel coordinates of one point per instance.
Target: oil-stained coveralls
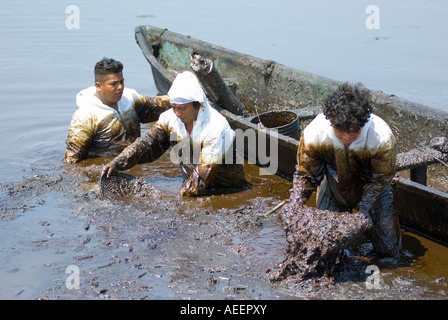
(97, 130)
(354, 178)
(206, 156)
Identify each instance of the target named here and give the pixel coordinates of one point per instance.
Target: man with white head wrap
(201, 137)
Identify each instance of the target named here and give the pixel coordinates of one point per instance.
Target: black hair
(107, 66)
(349, 107)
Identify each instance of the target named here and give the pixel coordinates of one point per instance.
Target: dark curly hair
(106, 66)
(349, 107)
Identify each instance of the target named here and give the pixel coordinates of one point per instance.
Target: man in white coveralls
(201, 138)
(109, 115)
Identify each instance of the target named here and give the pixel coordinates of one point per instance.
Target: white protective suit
(358, 177)
(207, 156)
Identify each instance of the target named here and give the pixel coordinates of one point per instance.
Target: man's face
(187, 113)
(346, 137)
(111, 90)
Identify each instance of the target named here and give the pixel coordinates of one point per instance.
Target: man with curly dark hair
(350, 153)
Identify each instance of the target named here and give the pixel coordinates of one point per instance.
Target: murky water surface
(217, 247)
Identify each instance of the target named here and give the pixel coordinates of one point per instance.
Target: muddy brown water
(216, 247)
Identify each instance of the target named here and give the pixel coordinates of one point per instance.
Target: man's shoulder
(317, 128)
(379, 122)
(380, 132)
(169, 120)
(319, 120)
(86, 115)
(129, 97)
(380, 127)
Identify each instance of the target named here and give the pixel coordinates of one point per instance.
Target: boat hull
(421, 208)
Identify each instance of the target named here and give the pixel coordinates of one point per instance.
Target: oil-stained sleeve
(382, 170)
(149, 108)
(80, 135)
(308, 174)
(145, 149)
(199, 179)
(213, 151)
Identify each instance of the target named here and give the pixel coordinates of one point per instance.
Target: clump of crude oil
(122, 185)
(315, 241)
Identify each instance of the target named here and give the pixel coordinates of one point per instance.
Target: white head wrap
(186, 89)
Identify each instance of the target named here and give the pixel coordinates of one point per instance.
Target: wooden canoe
(264, 86)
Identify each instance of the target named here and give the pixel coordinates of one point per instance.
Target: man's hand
(109, 169)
